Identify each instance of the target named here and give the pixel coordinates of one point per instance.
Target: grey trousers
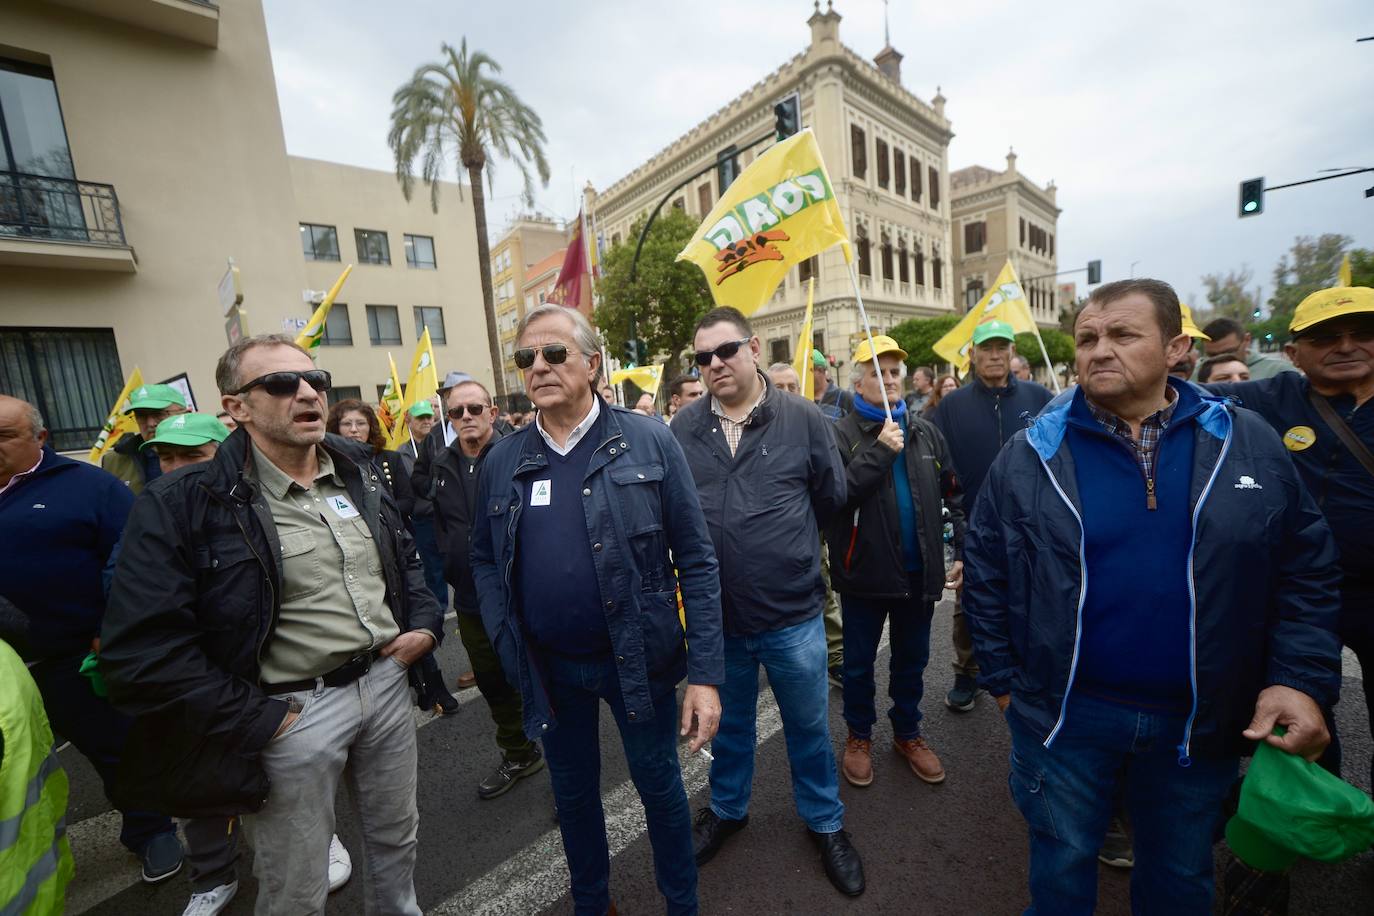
(363, 732)
(964, 662)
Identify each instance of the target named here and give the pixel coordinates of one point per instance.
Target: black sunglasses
(474, 410)
(280, 384)
(724, 351)
(553, 355)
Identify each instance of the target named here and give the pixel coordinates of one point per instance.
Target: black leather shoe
(709, 833)
(504, 777)
(841, 860)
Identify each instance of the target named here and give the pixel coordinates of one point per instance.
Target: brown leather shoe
(858, 761)
(467, 679)
(923, 761)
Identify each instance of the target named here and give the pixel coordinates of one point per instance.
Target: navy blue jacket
(764, 506)
(640, 504)
(977, 421)
(59, 526)
(1343, 489)
(1262, 577)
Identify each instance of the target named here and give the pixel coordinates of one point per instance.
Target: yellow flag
(118, 422)
(1006, 301)
(1345, 271)
(646, 377)
(421, 385)
(389, 407)
(777, 213)
(313, 332)
(802, 361)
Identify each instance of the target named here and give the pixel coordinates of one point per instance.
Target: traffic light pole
(1294, 184)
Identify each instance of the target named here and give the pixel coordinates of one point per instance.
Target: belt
(341, 676)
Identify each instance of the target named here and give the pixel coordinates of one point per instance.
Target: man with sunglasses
(580, 511)
(768, 471)
(451, 474)
(1333, 345)
(268, 657)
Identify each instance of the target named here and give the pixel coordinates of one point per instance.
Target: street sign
(235, 328)
(293, 326)
(230, 292)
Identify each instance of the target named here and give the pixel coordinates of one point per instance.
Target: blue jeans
(910, 643)
(794, 658)
(427, 545)
(573, 750)
(1067, 795)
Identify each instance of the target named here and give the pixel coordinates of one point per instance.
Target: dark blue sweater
(58, 528)
(1135, 643)
(977, 421)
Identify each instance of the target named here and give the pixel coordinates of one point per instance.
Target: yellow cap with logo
(881, 344)
(1334, 302)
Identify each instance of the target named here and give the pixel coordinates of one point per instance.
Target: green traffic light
(1251, 206)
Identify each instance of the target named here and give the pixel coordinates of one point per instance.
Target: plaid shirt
(1151, 428)
(734, 429)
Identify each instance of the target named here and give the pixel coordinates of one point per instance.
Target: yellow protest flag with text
(646, 377)
(421, 385)
(1006, 301)
(313, 332)
(802, 361)
(780, 211)
(389, 405)
(118, 422)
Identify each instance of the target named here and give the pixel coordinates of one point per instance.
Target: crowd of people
(1151, 572)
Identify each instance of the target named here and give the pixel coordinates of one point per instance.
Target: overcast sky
(1147, 117)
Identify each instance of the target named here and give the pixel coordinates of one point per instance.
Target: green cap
(1291, 809)
(188, 429)
(421, 409)
(155, 397)
(989, 330)
(818, 360)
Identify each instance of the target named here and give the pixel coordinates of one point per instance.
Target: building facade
(887, 154)
(141, 149)
(1001, 216)
(528, 240)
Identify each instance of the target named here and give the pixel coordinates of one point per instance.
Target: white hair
(36, 425)
(584, 336)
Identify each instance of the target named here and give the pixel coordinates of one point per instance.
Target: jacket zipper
(1082, 597)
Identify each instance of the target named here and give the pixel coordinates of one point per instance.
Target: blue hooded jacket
(1262, 575)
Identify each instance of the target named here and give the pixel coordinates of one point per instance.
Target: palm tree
(458, 105)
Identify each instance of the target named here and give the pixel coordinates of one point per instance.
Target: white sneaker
(340, 865)
(212, 901)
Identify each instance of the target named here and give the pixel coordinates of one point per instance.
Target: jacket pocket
(662, 629)
(300, 560)
(638, 491)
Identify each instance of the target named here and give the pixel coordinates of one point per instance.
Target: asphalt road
(955, 848)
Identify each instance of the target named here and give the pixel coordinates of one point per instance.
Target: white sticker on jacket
(342, 507)
(540, 492)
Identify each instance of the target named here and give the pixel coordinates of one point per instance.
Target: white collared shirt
(449, 433)
(577, 433)
(23, 475)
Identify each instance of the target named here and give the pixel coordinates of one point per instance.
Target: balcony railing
(51, 209)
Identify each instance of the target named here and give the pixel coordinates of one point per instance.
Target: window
(381, 393)
(883, 164)
(818, 340)
(338, 330)
(70, 374)
(1050, 237)
(343, 393)
(420, 251)
(432, 317)
(858, 145)
(903, 268)
(320, 243)
(615, 236)
(703, 200)
(680, 203)
(383, 324)
(886, 256)
(935, 269)
(915, 180)
(865, 258)
(974, 294)
(777, 351)
(975, 236)
(920, 267)
(727, 168)
(373, 246)
(898, 172)
(809, 269)
(33, 141)
(1023, 232)
(934, 189)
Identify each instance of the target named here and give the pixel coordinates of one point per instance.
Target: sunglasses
(281, 384)
(554, 354)
(724, 351)
(474, 410)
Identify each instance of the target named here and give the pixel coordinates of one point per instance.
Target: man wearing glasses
(580, 510)
(451, 474)
(268, 657)
(768, 471)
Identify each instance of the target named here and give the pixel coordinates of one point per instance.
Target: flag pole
(1054, 376)
(868, 331)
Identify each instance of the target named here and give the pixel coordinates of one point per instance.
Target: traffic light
(641, 352)
(1094, 272)
(631, 353)
(1252, 197)
(787, 116)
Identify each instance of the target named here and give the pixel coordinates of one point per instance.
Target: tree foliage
(1058, 344)
(667, 297)
(1362, 267)
(1229, 294)
(917, 335)
(1311, 264)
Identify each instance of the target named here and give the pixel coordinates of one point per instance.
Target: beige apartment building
(886, 150)
(1001, 215)
(528, 240)
(141, 149)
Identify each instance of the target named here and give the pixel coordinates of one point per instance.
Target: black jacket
(440, 471)
(977, 421)
(392, 474)
(193, 605)
(866, 538)
(763, 506)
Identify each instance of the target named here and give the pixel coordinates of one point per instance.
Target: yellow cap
(1189, 327)
(1325, 304)
(882, 344)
